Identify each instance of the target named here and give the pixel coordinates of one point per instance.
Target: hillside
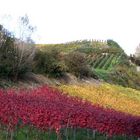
(81, 90)
(106, 59)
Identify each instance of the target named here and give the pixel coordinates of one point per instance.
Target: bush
(77, 64)
(121, 75)
(49, 62)
(7, 52)
(112, 43)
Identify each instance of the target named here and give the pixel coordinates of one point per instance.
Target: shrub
(122, 75)
(49, 62)
(77, 64)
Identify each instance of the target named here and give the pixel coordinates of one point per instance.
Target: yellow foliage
(109, 96)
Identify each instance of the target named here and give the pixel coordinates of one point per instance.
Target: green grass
(102, 74)
(62, 47)
(66, 134)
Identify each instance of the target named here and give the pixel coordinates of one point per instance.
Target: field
(49, 113)
(109, 96)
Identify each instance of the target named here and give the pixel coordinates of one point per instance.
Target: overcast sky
(60, 21)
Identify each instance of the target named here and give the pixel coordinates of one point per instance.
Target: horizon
(70, 20)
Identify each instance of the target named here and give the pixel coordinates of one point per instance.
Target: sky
(60, 21)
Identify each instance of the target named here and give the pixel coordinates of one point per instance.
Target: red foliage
(45, 108)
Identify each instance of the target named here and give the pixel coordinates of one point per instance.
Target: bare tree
(24, 46)
(2, 36)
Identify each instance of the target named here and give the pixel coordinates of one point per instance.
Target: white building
(137, 53)
(138, 68)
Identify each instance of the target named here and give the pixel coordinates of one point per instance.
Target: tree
(24, 46)
(7, 55)
(77, 64)
(49, 62)
(112, 43)
(16, 53)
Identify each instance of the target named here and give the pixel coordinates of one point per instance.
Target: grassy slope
(109, 96)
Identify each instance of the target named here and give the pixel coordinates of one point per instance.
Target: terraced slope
(105, 61)
(99, 54)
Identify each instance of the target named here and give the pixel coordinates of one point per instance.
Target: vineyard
(48, 113)
(99, 54)
(105, 61)
(108, 96)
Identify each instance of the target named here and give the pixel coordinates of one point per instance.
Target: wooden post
(11, 135)
(88, 135)
(94, 134)
(74, 133)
